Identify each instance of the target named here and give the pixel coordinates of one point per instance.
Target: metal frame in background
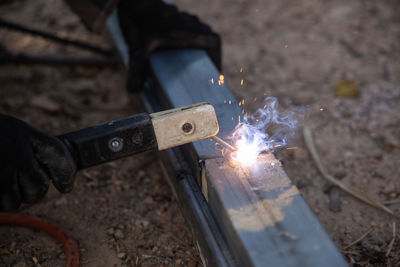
(238, 216)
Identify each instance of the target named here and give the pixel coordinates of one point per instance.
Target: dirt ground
(122, 213)
(299, 51)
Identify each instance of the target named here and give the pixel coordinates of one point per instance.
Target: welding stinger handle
(112, 140)
(138, 133)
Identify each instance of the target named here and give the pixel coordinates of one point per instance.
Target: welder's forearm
(112, 140)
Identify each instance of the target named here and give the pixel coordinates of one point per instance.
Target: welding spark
(265, 130)
(221, 79)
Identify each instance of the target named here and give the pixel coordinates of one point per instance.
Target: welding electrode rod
(225, 144)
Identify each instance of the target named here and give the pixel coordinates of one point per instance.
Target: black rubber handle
(111, 140)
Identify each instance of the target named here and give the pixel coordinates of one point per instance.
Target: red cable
(70, 246)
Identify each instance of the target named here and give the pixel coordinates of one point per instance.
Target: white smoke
(265, 130)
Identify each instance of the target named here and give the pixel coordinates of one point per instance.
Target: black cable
(56, 60)
(65, 41)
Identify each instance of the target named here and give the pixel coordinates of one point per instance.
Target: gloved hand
(150, 25)
(28, 160)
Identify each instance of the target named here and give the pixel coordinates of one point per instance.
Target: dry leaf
(347, 88)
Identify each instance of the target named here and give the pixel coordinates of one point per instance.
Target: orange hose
(70, 246)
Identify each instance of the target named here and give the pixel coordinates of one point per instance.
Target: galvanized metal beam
(207, 235)
(245, 216)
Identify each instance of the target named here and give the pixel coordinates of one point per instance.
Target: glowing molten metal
(246, 154)
(265, 130)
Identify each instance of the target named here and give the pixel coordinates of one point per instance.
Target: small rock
(122, 255)
(145, 223)
(192, 263)
(377, 248)
(119, 234)
(348, 154)
(62, 201)
(45, 103)
(178, 261)
(335, 203)
(110, 231)
(148, 200)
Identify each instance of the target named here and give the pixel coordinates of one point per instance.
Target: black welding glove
(150, 25)
(28, 160)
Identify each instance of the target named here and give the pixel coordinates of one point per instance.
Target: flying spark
(221, 79)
